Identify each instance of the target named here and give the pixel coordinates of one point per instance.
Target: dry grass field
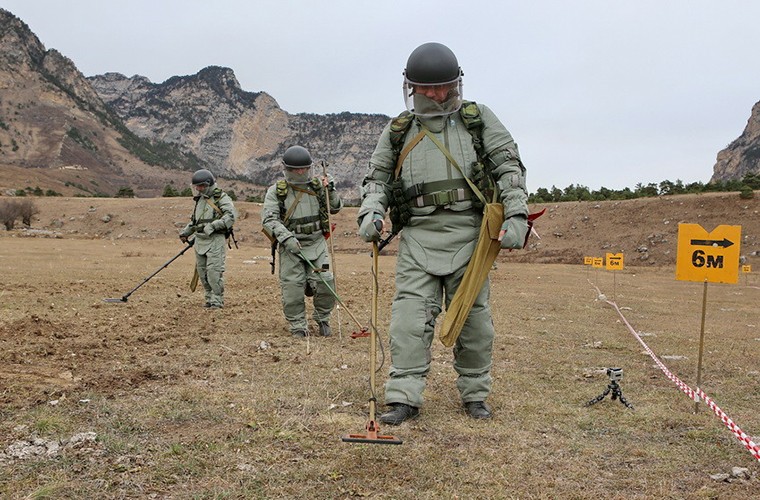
(160, 398)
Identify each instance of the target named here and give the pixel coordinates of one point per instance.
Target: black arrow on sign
(725, 243)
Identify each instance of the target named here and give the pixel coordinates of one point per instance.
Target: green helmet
(296, 157)
(432, 63)
(204, 177)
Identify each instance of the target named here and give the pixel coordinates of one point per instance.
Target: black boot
(399, 413)
(477, 409)
(324, 328)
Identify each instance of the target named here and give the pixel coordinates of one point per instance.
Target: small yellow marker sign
(598, 262)
(614, 261)
(587, 261)
(747, 268)
(712, 257)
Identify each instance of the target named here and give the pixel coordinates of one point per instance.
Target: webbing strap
(302, 190)
(292, 208)
(213, 205)
(454, 162)
(405, 152)
(439, 193)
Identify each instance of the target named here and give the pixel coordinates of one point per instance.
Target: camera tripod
(615, 375)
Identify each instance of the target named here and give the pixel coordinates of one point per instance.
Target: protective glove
(329, 182)
(292, 245)
(513, 232)
(183, 238)
(371, 227)
(208, 229)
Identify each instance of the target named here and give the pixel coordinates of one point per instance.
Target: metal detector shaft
(373, 435)
(332, 243)
(126, 296)
(330, 289)
(373, 333)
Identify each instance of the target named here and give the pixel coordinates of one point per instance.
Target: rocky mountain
(93, 136)
(57, 134)
(742, 156)
(234, 132)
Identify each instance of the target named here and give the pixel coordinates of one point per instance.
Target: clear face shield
(201, 188)
(298, 176)
(428, 100)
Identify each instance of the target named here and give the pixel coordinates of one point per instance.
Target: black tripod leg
(599, 397)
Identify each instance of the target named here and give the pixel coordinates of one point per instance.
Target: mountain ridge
(92, 136)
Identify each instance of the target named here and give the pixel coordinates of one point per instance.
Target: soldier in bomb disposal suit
(211, 223)
(423, 169)
(295, 216)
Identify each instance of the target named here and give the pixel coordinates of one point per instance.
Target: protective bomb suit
(212, 219)
(441, 218)
(295, 216)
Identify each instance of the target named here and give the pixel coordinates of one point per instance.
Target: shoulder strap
(210, 201)
(282, 188)
(447, 154)
(400, 125)
(470, 114)
(292, 208)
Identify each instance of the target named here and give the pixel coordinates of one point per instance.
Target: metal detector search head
(126, 295)
(371, 437)
(120, 301)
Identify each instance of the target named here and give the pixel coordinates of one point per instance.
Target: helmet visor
(433, 99)
(299, 176)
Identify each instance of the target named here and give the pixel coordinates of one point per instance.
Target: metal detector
(373, 435)
(362, 330)
(126, 296)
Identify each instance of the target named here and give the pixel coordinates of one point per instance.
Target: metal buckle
(441, 198)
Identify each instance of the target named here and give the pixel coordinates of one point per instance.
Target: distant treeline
(574, 192)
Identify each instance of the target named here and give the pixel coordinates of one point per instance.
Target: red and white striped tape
(695, 395)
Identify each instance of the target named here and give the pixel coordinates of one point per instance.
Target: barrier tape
(695, 395)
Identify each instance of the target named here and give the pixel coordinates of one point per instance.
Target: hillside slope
(645, 230)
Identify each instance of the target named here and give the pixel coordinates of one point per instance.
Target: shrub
(26, 209)
(169, 191)
(9, 212)
(746, 193)
(125, 192)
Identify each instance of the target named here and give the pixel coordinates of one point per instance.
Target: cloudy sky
(596, 92)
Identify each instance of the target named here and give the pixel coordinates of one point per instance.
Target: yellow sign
(598, 262)
(711, 257)
(614, 261)
(587, 261)
(747, 269)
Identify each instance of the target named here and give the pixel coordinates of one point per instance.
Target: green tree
(752, 180)
(169, 191)
(125, 192)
